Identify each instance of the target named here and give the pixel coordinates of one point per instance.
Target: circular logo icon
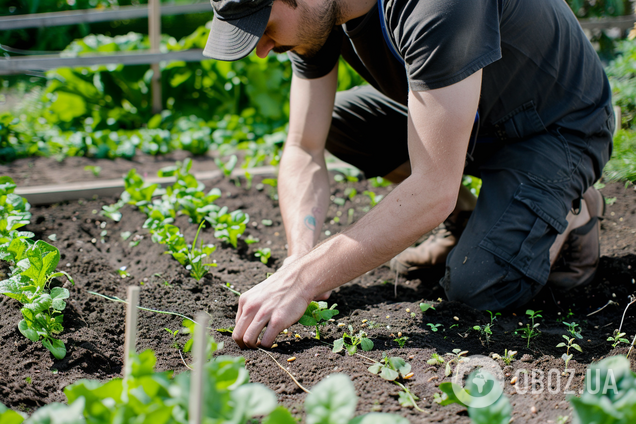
(484, 384)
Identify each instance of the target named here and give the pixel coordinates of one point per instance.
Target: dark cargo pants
(529, 184)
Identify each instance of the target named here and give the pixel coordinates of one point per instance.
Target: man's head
(239, 26)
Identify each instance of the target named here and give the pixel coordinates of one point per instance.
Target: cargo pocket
(520, 123)
(523, 235)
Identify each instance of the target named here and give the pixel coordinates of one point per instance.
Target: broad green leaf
(56, 347)
(280, 415)
(375, 368)
(43, 258)
(307, 321)
(7, 416)
(58, 294)
(449, 396)
(332, 401)
(497, 413)
(389, 374)
(27, 332)
(366, 344)
(338, 345)
(40, 303)
(377, 418)
(252, 400)
(14, 288)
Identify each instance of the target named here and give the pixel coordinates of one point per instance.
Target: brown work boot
(579, 258)
(435, 249)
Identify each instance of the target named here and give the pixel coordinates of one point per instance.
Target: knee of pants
(493, 286)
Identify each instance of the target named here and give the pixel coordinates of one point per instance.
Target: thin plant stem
(408, 392)
(624, 312)
(116, 299)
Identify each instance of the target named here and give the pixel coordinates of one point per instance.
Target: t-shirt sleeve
(444, 41)
(323, 62)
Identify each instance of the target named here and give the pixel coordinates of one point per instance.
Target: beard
(317, 24)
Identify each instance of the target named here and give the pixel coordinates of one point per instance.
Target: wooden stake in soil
(131, 327)
(197, 376)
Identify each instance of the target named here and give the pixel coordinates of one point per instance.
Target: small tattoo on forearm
(310, 222)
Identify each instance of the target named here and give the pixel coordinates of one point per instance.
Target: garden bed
(94, 327)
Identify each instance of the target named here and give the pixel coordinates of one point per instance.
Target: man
(507, 90)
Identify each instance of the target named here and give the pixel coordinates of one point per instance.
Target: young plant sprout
(486, 329)
(401, 341)
(435, 360)
(227, 167)
(264, 254)
(317, 315)
(352, 341)
(509, 356)
(570, 344)
(617, 339)
(456, 358)
(434, 327)
(573, 330)
(530, 331)
(375, 198)
(174, 337)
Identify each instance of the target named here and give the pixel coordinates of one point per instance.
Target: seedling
(228, 226)
(95, 170)
(174, 337)
(391, 368)
(123, 273)
(530, 331)
(570, 344)
(617, 339)
(456, 358)
(434, 327)
(227, 167)
(375, 198)
(264, 254)
(188, 328)
(317, 315)
(251, 239)
(435, 360)
(486, 329)
(573, 330)
(352, 341)
(401, 341)
(508, 358)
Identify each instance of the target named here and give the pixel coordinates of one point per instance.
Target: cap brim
(233, 40)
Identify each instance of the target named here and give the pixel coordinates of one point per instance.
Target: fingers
(250, 337)
(249, 324)
(274, 327)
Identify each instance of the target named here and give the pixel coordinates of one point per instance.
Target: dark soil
(94, 327)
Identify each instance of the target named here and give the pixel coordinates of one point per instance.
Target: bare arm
(439, 122)
(303, 183)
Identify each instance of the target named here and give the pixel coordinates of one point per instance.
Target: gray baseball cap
(236, 28)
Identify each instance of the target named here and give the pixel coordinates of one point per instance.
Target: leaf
(307, 321)
(58, 294)
(351, 349)
(425, 307)
(27, 332)
(405, 399)
(280, 415)
(366, 344)
(8, 416)
(58, 413)
(56, 347)
(332, 401)
(338, 345)
(389, 374)
(497, 413)
(252, 400)
(449, 396)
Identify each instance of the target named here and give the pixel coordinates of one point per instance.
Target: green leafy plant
(227, 167)
(174, 333)
(530, 331)
(574, 329)
(508, 358)
(374, 198)
(391, 368)
(609, 393)
(401, 341)
(500, 412)
(570, 344)
(228, 226)
(434, 327)
(95, 170)
(617, 338)
(435, 359)
(486, 329)
(317, 315)
(352, 341)
(264, 254)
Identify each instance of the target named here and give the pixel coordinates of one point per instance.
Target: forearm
(377, 237)
(303, 191)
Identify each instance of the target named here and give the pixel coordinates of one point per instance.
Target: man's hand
(277, 303)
